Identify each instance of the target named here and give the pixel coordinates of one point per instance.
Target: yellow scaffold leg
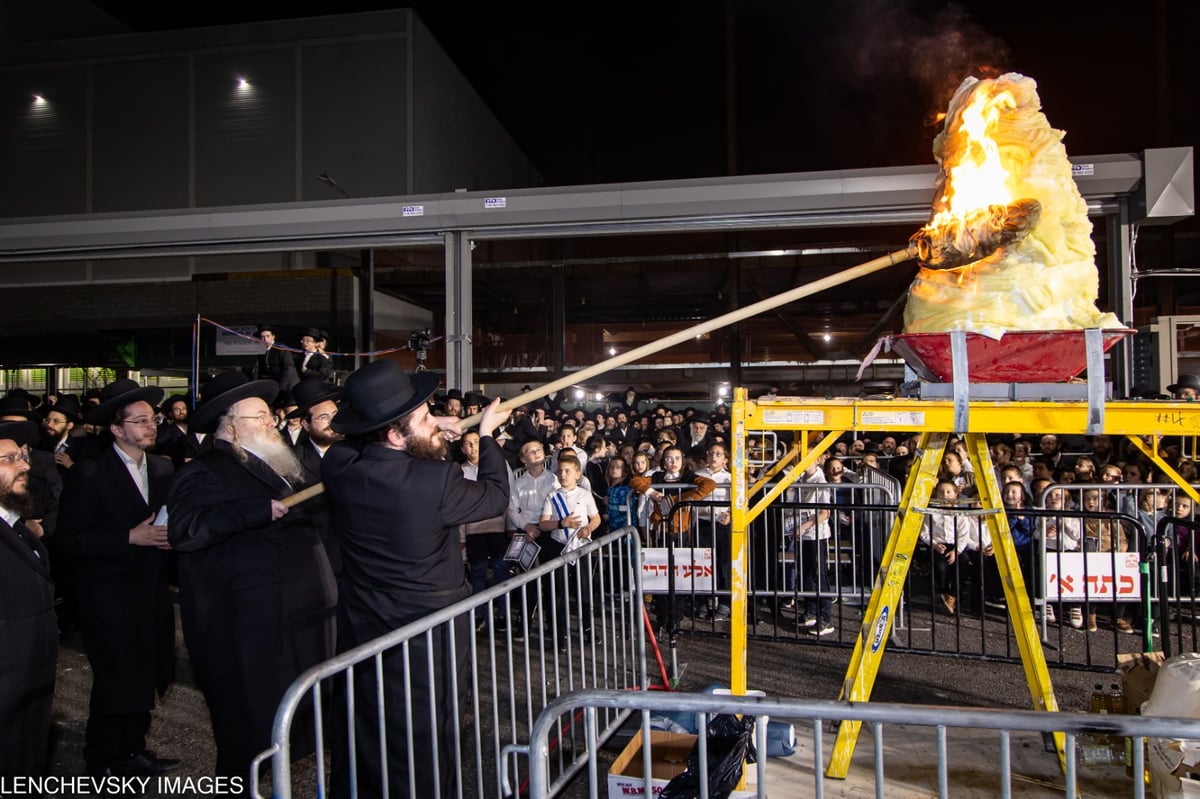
(1020, 612)
(889, 585)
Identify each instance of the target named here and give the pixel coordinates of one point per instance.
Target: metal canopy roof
(861, 197)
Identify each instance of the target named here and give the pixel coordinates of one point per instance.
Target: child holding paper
(570, 516)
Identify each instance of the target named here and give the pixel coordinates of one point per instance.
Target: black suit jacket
(257, 597)
(278, 365)
(188, 448)
(319, 367)
(125, 607)
(318, 506)
(396, 518)
(28, 651)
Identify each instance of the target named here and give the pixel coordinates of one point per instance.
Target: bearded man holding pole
(396, 504)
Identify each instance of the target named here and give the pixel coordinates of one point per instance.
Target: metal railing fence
(440, 697)
(873, 714)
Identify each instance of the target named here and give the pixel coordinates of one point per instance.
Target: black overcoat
(258, 598)
(125, 608)
(28, 652)
(396, 519)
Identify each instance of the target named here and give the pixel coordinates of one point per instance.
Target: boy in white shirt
(528, 489)
(570, 511)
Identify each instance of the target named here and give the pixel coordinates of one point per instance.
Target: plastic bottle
(1122, 746)
(1116, 700)
(1099, 704)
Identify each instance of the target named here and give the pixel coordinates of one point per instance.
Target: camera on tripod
(419, 342)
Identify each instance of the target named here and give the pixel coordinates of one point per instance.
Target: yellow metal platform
(816, 424)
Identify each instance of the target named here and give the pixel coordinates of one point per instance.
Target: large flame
(1005, 204)
(980, 178)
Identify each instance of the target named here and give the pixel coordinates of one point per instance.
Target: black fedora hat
(313, 392)
(700, 416)
(312, 333)
(225, 390)
(165, 408)
(68, 405)
(15, 405)
(265, 328)
(380, 393)
(475, 398)
(454, 393)
(1185, 381)
(117, 395)
(24, 434)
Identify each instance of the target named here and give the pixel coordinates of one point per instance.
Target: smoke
(936, 48)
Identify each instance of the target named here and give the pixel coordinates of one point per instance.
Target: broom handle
(845, 276)
(836, 279)
(316, 489)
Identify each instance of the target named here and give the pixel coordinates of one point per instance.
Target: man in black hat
(1188, 387)
(174, 426)
(46, 476)
(257, 594)
(316, 407)
(57, 426)
(275, 364)
(698, 438)
(45, 479)
(396, 504)
(107, 522)
(474, 403)
(311, 364)
(454, 403)
(28, 629)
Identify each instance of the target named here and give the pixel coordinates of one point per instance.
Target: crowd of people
(107, 499)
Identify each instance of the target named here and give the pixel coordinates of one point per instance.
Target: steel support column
(1120, 286)
(459, 313)
(366, 305)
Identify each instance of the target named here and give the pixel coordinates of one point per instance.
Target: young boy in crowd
(569, 512)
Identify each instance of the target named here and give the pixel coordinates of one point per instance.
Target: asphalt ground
(801, 668)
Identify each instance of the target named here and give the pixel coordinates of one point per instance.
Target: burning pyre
(1007, 207)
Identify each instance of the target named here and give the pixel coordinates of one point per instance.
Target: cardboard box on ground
(669, 752)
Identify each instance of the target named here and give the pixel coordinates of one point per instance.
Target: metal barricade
(573, 623)
(876, 715)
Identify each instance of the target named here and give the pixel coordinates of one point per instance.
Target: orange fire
(979, 178)
(1008, 245)
(974, 212)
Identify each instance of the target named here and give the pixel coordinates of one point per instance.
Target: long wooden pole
(836, 279)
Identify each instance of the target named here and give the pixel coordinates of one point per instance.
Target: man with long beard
(396, 504)
(256, 591)
(28, 628)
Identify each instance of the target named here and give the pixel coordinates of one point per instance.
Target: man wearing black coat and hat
(256, 591)
(58, 424)
(275, 364)
(316, 405)
(1188, 387)
(396, 504)
(28, 628)
(311, 364)
(175, 411)
(696, 440)
(107, 523)
(47, 474)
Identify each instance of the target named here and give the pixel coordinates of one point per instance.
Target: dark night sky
(623, 91)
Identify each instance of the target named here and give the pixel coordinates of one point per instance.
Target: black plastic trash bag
(730, 744)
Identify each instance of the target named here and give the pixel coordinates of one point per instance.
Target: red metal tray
(1020, 356)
